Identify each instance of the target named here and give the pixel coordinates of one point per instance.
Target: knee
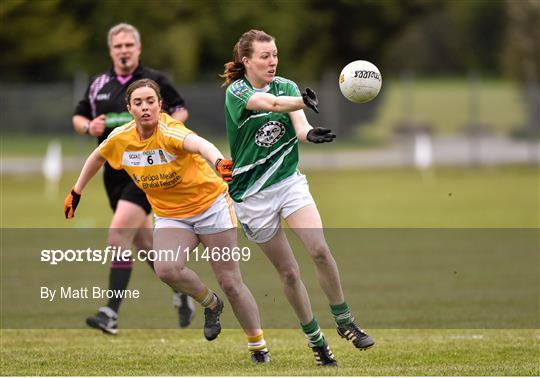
(168, 274)
(230, 286)
(320, 254)
(290, 276)
(116, 237)
(144, 244)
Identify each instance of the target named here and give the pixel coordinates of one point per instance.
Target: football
(360, 81)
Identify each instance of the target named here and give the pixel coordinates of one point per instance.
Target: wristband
(86, 127)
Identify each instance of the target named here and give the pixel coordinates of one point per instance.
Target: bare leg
(175, 273)
(307, 225)
(229, 278)
(126, 221)
(143, 239)
(280, 254)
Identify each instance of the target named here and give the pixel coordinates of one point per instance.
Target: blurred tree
(37, 39)
(479, 28)
(363, 29)
(522, 61)
(453, 38)
(300, 30)
(522, 49)
(425, 47)
(49, 40)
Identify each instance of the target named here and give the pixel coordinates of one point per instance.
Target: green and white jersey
(263, 144)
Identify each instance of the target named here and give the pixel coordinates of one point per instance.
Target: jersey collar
(264, 89)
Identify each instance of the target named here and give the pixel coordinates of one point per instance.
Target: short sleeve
(83, 106)
(176, 133)
(236, 98)
(110, 152)
(292, 89)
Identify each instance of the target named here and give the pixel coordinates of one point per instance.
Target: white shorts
(260, 213)
(217, 218)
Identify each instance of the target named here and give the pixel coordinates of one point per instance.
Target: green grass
(445, 105)
(400, 270)
(13, 145)
(450, 197)
(165, 352)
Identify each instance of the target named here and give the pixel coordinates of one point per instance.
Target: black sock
(118, 280)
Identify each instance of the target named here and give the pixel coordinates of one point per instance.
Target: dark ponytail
(233, 71)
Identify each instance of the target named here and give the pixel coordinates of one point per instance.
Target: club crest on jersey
(269, 133)
(239, 88)
(162, 157)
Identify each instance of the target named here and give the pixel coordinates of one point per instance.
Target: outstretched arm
(301, 124)
(306, 132)
(197, 145)
(91, 166)
(283, 104)
(270, 103)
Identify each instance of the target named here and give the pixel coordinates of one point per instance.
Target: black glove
(320, 135)
(70, 204)
(310, 99)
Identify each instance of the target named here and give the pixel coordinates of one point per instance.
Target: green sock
(313, 333)
(341, 313)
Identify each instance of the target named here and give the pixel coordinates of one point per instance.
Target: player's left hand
(224, 167)
(70, 203)
(320, 135)
(310, 99)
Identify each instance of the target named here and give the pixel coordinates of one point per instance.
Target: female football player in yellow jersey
(190, 202)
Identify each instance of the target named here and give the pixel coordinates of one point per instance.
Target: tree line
(50, 40)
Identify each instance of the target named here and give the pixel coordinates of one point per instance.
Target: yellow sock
(206, 298)
(256, 343)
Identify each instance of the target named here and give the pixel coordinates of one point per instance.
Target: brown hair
(142, 83)
(235, 69)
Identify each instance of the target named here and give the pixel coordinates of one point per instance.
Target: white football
(360, 81)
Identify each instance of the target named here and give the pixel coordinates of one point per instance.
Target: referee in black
(101, 110)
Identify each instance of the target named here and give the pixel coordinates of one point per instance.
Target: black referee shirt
(106, 95)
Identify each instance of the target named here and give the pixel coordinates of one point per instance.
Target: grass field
(441, 269)
(450, 197)
(166, 352)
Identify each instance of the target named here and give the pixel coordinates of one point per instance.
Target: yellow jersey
(177, 183)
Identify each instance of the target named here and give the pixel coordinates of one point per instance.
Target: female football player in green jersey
(265, 120)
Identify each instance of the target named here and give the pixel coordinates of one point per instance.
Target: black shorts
(119, 186)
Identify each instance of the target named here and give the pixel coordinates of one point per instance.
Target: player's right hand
(70, 203)
(310, 99)
(224, 167)
(97, 126)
